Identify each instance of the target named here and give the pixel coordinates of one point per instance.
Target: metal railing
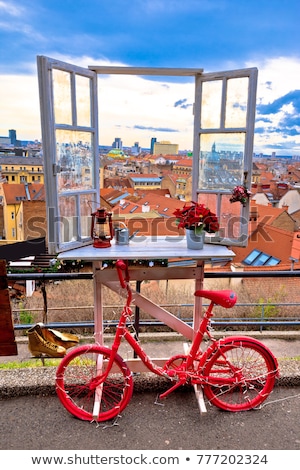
(260, 322)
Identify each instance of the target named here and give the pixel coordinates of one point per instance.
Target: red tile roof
(272, 241)
(164, 206)
(13, 192)
(266, 214)
(184, 162)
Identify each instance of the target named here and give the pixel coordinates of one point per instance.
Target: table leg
(99, 389)
(197, 388)
(98, 303)
(98, 332)
(198, 300)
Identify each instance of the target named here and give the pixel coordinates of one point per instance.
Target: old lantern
(101, 230)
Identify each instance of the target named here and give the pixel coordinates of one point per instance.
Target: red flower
(197, 217)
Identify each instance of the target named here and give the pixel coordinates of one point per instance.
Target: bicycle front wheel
(83, 394)
(239, 375)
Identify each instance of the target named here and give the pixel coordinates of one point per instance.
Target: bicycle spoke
(80, 385)
(239, 375)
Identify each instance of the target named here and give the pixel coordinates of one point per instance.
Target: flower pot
(194, 241)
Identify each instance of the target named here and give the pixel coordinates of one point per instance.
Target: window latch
(56, 169)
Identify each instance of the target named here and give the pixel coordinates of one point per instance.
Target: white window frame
(246, 130)
(49, 127)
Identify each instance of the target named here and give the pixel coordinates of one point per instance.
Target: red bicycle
(236, 373)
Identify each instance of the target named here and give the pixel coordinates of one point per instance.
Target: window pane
(68, 221)
(74, 156)
(85, 215)
(230, 219)
(260, 261)
(62, 97)
(83, 101)
(251, 257)
(211, 104)
(229, 215)
(236, 102)
(272, 261)
(221, 161)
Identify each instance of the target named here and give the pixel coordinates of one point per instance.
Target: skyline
(215, 35)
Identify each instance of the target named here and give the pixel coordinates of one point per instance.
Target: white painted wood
(50, 130)
(200, 398)
(156, 311)
(197, 388)
(157, 71)
(148, 248)
(99, 389)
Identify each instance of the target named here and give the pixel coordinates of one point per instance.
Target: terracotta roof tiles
(15, 193)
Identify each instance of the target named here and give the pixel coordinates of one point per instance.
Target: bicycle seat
(225, 298)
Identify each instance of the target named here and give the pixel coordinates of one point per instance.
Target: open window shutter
(224, 116)
(69, 118)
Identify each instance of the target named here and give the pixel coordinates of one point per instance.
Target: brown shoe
(66, 340)
(38, 346)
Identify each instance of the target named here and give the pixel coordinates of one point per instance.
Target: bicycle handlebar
(122, 266)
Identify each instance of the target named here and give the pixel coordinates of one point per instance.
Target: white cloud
(276, 77)
(129, 101)
(124, 102)
(20, 106)
(11, 8)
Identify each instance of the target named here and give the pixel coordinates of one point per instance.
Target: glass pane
(231, 219)
(83, 101)
(210, 201)
(86, 204)
(74, 157)
(260, 261)
(251, 257)
(272, 262)
(62, 97)
(68, 228)
(221, 165)
(236, 102)
(229, 215)
(211, 104)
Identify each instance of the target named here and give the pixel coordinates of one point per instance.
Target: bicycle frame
(236, 373)
(226, 299)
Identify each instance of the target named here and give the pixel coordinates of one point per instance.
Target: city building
(153, 141)
(144, 181)
(11, 139)
(14, 169)
(136, 149)
(117, 144)
(165, 148)
(23, 211)
(183, 167)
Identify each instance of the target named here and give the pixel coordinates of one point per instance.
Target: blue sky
(214, 35)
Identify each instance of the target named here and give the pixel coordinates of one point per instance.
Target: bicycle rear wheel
(240, 374)
(76, 383)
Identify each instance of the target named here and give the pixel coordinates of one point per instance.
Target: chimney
(27, 191)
